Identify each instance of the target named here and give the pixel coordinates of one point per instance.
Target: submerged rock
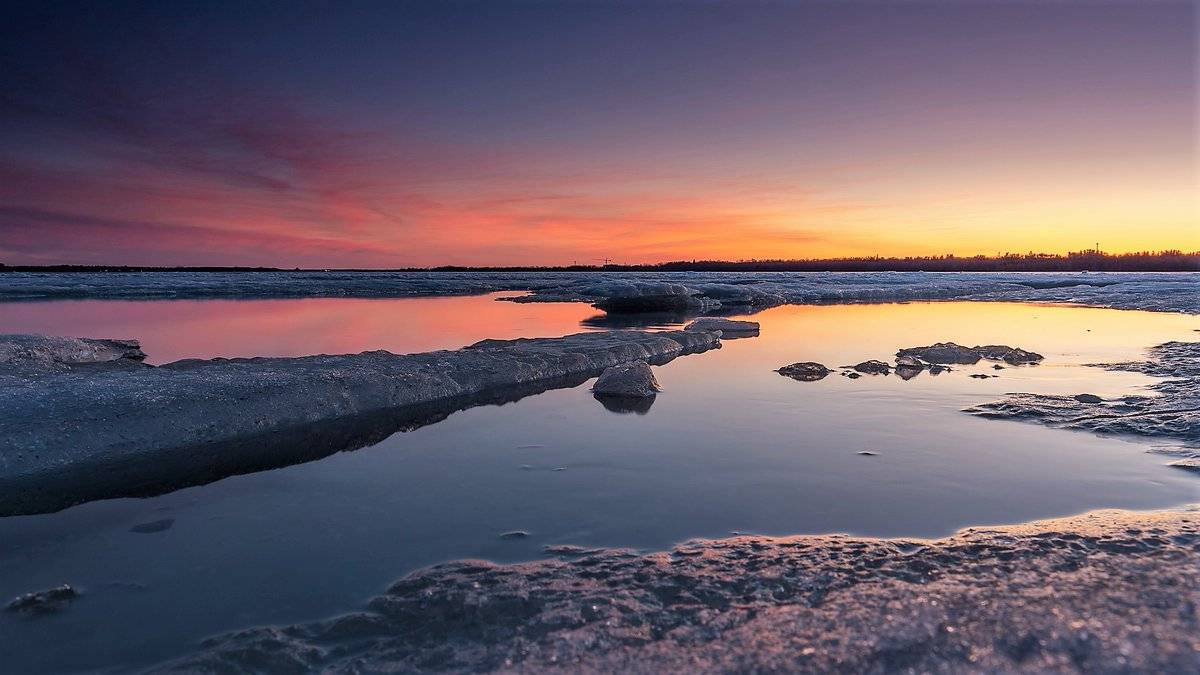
(1088, 398)
(805, 371)
(727, 327)
(872, 367)
(153, 526)
(1081, 594)
(43, 602)
(629, 380)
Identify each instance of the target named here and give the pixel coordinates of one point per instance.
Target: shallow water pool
(728, 446)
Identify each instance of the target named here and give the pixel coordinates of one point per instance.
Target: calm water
(728, 446)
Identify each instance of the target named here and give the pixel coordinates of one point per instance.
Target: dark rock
(943, 352)
(1088, 398)
(867, 453)
(980, 376)
(873, 367)
(804, 371)
(514, 534)
(43, 602)
(852, 375)
(997, 367)
(1017, 356)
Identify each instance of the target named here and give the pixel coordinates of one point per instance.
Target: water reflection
(178, 329)
(626, 404)
(730, 445)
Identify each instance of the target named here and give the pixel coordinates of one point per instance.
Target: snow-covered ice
(704, 291)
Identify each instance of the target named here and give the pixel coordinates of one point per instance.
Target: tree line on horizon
(1075, 261)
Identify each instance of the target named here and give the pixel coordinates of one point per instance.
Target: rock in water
(1014, 356)
(43, 602)
(1088, 398)
(726, 327)
(1017, 356)
(943, 352)
(873, 367)
(908, 367)
(949, 352)
(805, 371)
(628, 379)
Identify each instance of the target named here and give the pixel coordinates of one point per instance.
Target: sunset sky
(393, 134)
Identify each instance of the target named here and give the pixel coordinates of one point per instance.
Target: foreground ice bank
(78, 429)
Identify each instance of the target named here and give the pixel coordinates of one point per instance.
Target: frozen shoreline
(76, 430)
(1104, 591)
(712, 291)
(1171, 413)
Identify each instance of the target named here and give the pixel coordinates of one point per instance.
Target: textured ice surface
(1178, 292)
(28, 355)
(1103, 592)
(85, 434)
(1171, 412)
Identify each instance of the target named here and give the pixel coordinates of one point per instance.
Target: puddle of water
(728, 446)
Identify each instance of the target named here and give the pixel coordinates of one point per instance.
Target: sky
(357, 134)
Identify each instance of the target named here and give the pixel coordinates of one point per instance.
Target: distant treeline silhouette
(1145, 261)
(1076, 261)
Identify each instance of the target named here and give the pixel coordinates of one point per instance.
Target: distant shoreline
(1086, 261)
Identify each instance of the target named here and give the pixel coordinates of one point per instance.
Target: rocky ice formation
(632, 297)
(728, 328)
(634, 379)
(804, 371)
(949, 352)
(700, 291)
(29, 355)
(78, 434)
(1173, 412)
(1108, 591)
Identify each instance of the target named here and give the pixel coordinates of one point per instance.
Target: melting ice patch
(1172, 412)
